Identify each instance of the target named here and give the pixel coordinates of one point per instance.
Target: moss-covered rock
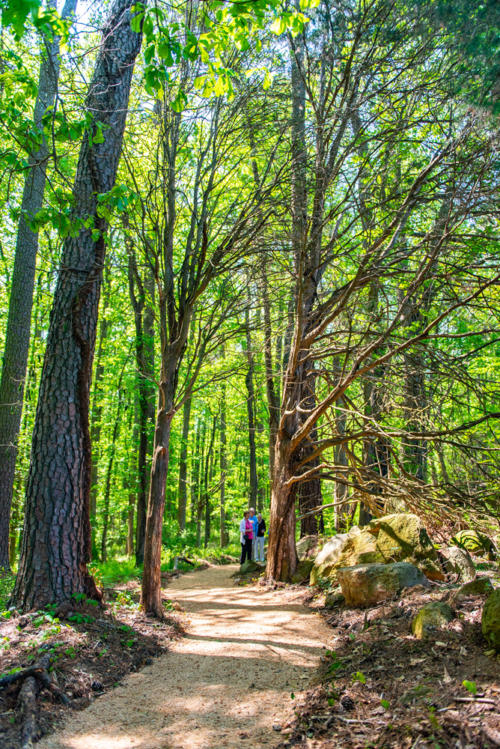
(481, 586)
(334, 598)
(367, 584)
(475, 541)
(248, 567)
(431, 617)
(490, 621)
(393, 538)
(303, 571)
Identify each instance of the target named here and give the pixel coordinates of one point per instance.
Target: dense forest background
(299, 289)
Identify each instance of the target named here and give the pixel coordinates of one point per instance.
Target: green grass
(118, 570)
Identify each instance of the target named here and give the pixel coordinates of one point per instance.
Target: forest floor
(260, 666)
(381, 688)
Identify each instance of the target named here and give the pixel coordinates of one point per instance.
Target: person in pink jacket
(246, 537)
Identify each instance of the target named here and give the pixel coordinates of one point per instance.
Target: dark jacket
(261, 528)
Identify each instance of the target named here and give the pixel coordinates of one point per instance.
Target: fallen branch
(28, 709)
(40, 672)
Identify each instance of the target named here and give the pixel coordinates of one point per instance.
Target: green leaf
(470, 686)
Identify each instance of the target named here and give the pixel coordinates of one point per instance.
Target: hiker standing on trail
(261, 530)
(246, 536)
(255, 525)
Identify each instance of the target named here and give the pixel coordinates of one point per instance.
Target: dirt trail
(223, 685)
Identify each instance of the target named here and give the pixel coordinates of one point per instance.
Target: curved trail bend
(222, 685)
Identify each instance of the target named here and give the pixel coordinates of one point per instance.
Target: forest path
(222, 685)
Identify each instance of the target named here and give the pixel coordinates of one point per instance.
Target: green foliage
(359, 676)
(118, 570)
(6, 585)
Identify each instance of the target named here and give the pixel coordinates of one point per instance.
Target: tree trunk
(224, 538)
(17, 334)
(109, 472)
(96, 422)
(56, 539)
(272, 396)
(209, 465)
(199, 487)
(182, 492)
(151, 578)
(141, 292)
(252, 457)
(341, 489)
(282, 554)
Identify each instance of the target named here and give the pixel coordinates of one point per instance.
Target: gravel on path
(225, 684)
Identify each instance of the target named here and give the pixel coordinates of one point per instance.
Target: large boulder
(458, 562)
(392, 538)
(307, 547)
(429, 618)
(490, 621)
(367, 584)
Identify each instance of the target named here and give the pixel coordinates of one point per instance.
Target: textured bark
(17, 335)
(282, 554)
(298, 389)
(56, 540)
(182, 492)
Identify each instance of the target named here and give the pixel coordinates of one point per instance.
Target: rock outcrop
(393, 538)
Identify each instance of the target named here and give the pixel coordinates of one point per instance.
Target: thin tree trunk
(249, 382)
(141, 293)
(109, 472)
(199, 488)
(224, 539)
(96, 419)
(272, 396)
(195, 473)
(341, 488)
(182, 491)
(56, 543)
(17, 335)
(209, 465)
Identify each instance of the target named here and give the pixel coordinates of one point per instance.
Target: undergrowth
(6, 585)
